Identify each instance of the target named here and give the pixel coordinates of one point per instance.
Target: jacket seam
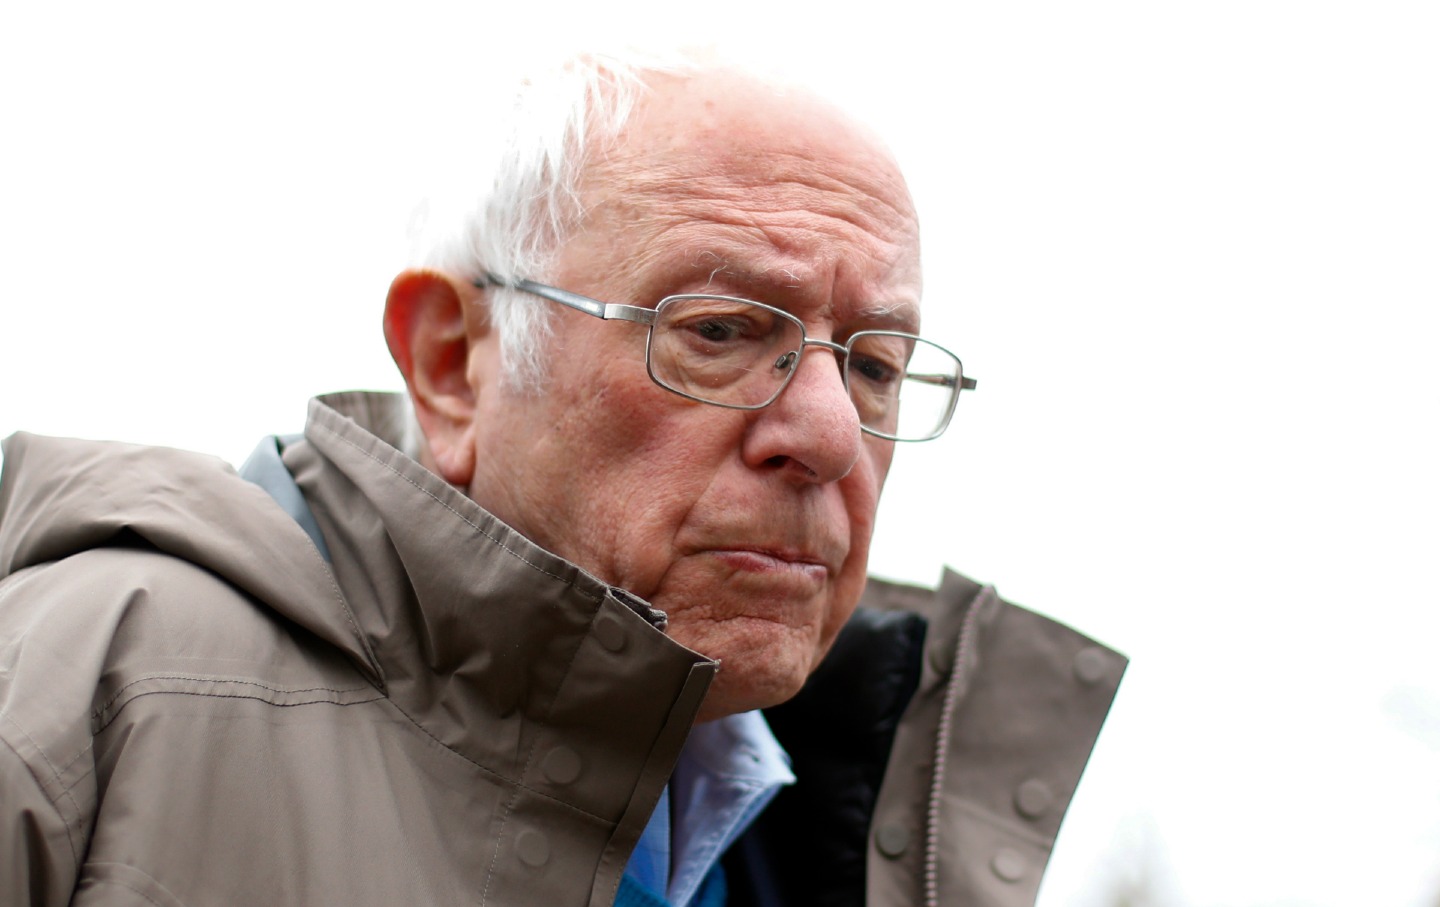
(464, 519)
(76, 758)
(40, 784)
(378, 697)
(349, 615)
(129, 887)
(252, 698)
(314, 553)
(127, 884)
(95, 715)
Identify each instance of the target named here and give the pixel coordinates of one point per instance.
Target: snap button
(892, 839)
(561, 765)
(609, 632)
(1091, 666)
(1008, 864)
(1033, 798)
(532, 847)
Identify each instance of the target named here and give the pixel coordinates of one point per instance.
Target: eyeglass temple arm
(609, 310)
(606, 310)
(966, 384)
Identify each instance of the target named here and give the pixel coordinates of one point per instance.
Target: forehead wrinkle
(767, 269)
(866, 192)
(896, 315)
(789, 202)
(803, 244)
(874, 188)
(794, 223)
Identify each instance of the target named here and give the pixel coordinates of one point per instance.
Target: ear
(429, 337)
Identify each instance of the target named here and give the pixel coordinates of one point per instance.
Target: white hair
(562, 118)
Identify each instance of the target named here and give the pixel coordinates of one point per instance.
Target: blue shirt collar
(729, 771)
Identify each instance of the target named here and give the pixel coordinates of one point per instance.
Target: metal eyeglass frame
(610, 311)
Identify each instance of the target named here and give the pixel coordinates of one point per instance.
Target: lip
(773, 560)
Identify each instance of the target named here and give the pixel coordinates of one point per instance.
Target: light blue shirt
(728, 772)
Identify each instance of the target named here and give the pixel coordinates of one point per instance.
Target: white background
(1191, 250)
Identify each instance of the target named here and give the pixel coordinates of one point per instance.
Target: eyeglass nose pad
(785, 361)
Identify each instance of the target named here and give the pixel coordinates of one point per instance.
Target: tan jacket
(196, 707)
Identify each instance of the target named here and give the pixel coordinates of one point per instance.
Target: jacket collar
(471, 625)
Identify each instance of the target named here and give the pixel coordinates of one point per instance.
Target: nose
(812, 431)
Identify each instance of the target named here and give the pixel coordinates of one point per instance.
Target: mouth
(780, 561)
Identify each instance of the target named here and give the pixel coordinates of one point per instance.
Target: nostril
(783, 463)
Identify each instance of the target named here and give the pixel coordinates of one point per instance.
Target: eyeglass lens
(737, 353)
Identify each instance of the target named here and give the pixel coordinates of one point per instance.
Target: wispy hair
(561, 120)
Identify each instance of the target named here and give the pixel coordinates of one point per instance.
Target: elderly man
(658, 383)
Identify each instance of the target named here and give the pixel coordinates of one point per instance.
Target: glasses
(742, 355)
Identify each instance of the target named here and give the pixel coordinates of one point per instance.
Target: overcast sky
(1191, 251)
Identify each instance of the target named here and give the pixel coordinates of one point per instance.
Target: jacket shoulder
(82, 637)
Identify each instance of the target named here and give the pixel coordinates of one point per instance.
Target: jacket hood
(61, 496)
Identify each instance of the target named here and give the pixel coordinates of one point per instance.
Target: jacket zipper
(953, 692)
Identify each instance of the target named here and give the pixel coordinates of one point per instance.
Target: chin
(765, 654)
(754, 680)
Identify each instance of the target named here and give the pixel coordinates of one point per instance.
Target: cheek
(644, 475)
(861, 490)
(880, 453)
(653, 532)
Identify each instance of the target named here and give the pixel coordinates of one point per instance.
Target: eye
(709, 323)
(873, 370)
(719, 330)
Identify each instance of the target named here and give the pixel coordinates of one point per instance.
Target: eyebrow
(898, 316)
